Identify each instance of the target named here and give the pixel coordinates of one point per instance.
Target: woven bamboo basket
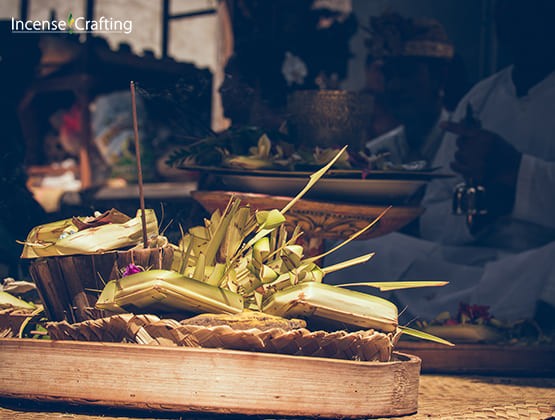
(69, 286)
(364, 345)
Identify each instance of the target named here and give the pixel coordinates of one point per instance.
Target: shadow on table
(17, 408)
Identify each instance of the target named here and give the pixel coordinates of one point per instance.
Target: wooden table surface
(440, 397)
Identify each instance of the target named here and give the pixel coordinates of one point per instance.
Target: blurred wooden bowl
(319, 219)
(328, 118)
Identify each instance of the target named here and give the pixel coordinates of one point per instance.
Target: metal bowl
(329, 117)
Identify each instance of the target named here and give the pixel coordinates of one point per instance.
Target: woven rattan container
(69, 286)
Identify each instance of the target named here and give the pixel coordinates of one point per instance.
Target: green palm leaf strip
(424, 336)
(344, 264)
(313, 180)
(353, 236)
(269, 226)
(386, 286)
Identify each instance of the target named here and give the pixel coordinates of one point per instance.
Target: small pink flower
(131, 269)
(474, 312)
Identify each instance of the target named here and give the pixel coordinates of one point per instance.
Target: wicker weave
(148, 329)
(486, 398)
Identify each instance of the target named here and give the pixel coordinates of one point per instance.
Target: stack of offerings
(72, 259)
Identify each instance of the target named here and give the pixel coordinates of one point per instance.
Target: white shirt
(513, 266)
(528, 123)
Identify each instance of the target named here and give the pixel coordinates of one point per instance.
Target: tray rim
(409, 358)
(332, 173)
(369, 190)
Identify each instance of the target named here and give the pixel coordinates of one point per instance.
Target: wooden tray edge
(99, 374)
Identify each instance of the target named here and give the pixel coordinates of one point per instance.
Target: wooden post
(84, 148)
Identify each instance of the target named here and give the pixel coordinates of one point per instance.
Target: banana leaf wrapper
(49, 240)
(167, 291)
(331, 303)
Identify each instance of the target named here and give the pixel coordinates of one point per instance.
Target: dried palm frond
(330, 302)
(223, 252)
(165, 290)
(64, 237)
(365, 345)
(245, 258)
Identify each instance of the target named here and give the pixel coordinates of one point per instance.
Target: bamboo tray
(483, 358)
(206, 380)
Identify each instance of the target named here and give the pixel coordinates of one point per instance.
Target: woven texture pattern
(367, 345)
(486, 398)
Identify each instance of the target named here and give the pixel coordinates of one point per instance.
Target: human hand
(488, 159)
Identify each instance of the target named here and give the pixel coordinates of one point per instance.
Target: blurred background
(66, 105)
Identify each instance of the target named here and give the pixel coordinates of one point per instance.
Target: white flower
(293, 69)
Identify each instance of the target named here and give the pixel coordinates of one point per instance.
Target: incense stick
(139, 169)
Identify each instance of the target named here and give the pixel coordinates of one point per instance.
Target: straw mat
(451, 397)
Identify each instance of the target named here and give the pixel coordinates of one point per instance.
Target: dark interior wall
(467, 22)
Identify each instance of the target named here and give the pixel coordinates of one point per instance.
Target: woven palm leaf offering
(245, 266)
(16, 315)
(71, 258)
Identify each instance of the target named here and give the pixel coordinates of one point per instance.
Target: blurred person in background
(504, 259)
(407, 71)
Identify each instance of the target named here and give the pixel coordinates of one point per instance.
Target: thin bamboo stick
(138, 157)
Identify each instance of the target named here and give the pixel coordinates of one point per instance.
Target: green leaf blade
(425, 336)
(387, 286)
(354, 261)
(313, 180)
